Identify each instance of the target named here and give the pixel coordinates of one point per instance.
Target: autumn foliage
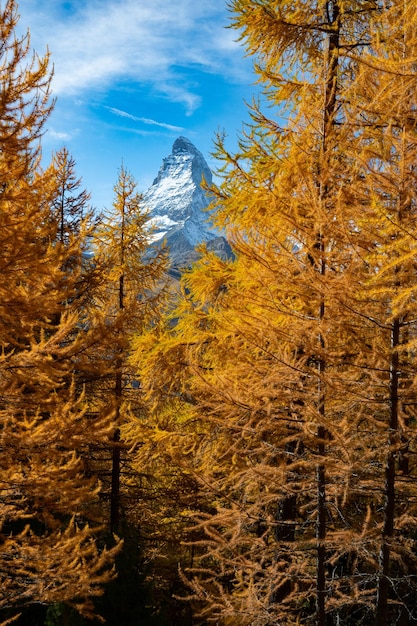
(253, 429)
(292, 367)
(48, 548)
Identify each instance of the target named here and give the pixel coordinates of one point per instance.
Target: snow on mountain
(177, 202)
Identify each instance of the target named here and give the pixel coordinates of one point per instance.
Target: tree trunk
(115, 484)
(333, 19)
(381, 618)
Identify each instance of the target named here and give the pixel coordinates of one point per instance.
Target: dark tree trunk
(330, 104)
(381, 617)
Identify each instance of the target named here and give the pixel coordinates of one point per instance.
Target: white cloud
(145, 120)
(149, 42)
(59, 135)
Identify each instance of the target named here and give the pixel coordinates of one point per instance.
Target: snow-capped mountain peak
(176, 200)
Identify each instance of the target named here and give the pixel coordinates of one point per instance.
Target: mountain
(177, 204)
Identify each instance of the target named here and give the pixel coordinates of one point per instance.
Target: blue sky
(130, 76)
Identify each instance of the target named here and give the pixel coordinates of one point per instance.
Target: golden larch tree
(294, 363)
(127, 300)
(48, 550)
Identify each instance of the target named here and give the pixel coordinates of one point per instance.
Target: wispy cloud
(59, 135)
(149, 43)
(144, 120)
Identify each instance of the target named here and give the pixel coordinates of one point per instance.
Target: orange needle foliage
(284, 382)
(48, 552)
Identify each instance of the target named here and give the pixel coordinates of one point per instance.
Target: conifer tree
(71, 205)
(74, 221)
(48, 550)
(294, 363)
(387, 152)
(128, 299)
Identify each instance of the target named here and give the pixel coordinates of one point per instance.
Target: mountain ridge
(178, 205)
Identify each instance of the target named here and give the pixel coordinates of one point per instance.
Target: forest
(238, 449)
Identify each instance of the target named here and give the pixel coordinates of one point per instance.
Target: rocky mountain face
(177, 205)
